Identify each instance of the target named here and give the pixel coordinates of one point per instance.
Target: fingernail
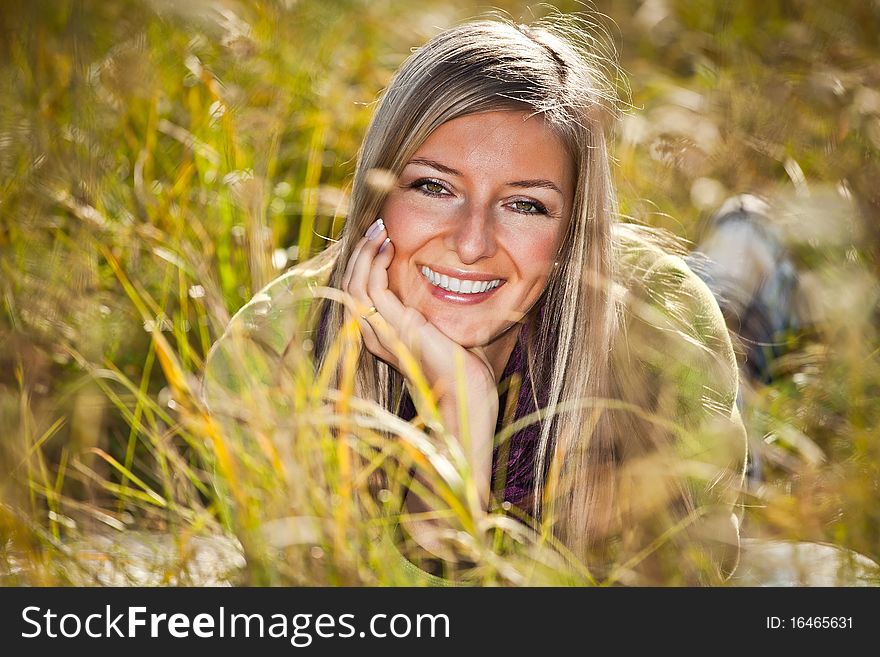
(375, 228)
(384, 244)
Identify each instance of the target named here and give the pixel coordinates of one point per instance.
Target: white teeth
(467, 286)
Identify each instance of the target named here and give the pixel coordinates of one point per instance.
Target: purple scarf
(513, 463)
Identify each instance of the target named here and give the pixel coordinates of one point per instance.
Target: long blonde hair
(551, 69)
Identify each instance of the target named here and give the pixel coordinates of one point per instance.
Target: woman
(482, 259)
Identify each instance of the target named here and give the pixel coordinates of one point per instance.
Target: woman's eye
(528, 207)
(430, 187)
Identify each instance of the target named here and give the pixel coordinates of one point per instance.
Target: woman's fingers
(357, 270)
(361, 261)
(388, 320)
(372, 234)
(386, 310)
(355, 284)
(376, 284)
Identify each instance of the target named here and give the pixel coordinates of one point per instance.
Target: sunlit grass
(157, 169)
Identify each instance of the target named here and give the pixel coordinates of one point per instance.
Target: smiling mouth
(459, 285)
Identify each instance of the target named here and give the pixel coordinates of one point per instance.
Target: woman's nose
(474, 235)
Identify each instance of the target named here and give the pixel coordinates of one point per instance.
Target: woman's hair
(550, 70)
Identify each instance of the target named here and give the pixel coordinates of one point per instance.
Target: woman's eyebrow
(442, 168)
(539, 182)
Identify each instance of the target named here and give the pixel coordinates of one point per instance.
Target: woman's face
(482, 205)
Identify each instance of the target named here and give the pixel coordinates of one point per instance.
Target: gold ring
(370, 312)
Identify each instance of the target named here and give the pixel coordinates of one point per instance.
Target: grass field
(161, 164)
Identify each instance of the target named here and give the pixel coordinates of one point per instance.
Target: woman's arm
(481, 417)
(462, 379)
(675, 330)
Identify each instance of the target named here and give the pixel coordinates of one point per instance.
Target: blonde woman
(482, 256)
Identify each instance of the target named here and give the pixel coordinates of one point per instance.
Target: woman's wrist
(472, 421)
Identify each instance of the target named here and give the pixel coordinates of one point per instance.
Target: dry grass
(159, 166)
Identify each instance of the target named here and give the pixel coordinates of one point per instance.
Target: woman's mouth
(460, 285)
(461, 290)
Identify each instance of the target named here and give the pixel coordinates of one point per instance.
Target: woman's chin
(467, 335)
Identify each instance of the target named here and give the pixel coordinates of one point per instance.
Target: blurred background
(161, 161)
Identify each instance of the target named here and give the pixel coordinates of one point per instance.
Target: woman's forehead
(504, 142)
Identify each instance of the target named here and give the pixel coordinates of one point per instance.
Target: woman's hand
(385, 318)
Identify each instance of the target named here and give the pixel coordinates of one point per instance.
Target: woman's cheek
(417, 219)
(535, 249)
(396, 272)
